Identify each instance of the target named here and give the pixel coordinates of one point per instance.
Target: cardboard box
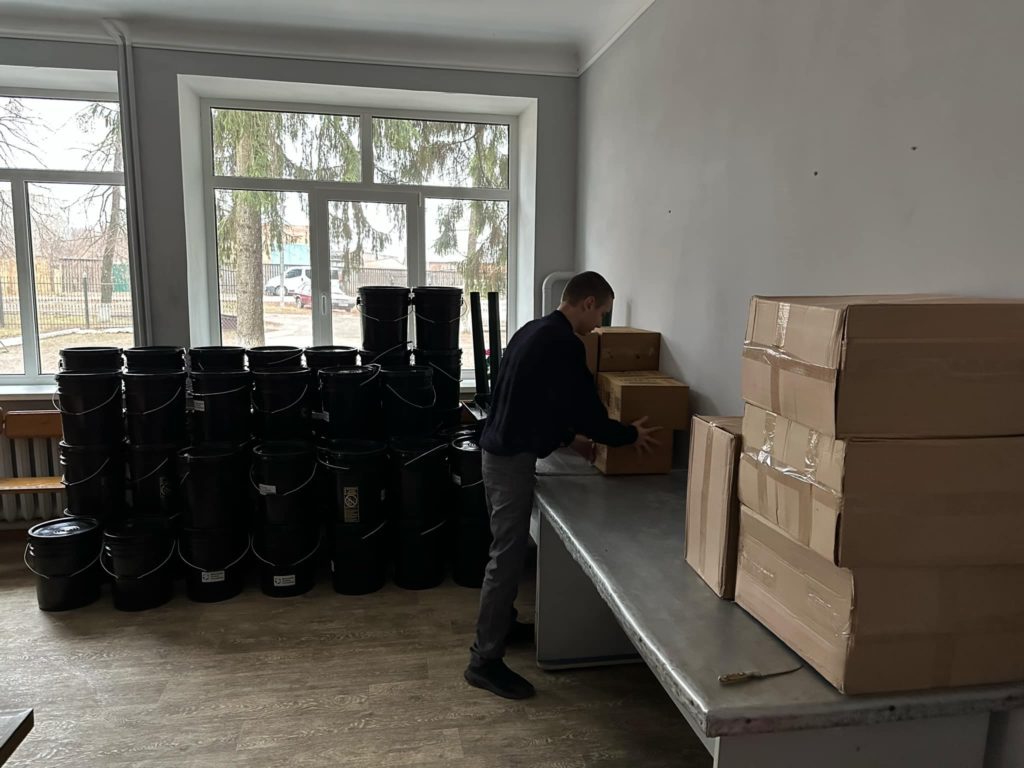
(712, 506)
(865, 502)
(592, 343)
(626, 460)
(888, 366)
(877, 630)
(631, 395)
(628, 349)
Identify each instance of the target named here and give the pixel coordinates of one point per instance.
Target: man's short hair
(587, 284)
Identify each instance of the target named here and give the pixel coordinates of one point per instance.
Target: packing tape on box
(781, 324)
(778, 361)
(706, 480)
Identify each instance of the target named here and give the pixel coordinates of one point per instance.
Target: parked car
(293, 280)
(339, 299)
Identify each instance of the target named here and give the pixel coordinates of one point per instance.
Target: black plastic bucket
(64, 555)
(396, 357)
(93, 478)
(215, 562)
(155, 407)
(153, 479)
(280, 409)
(273, 358)
(216, 358)
(351, 403)
(215, 486)
(90, 359)
(286, 556)
(472, 523)
(446, 366)
(359, 559)
(154, 359)
(221, 406)
(283, 476)
(353, 489)
(419, 480)
(138, 553)
(318, 358)
(384, 312)
(438, 312)
(90, 408)
(408, 400)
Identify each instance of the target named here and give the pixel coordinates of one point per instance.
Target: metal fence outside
(78, 307)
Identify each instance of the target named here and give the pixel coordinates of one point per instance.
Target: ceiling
(563, 36)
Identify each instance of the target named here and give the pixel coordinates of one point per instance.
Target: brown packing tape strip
(705, 482)
(776, 358)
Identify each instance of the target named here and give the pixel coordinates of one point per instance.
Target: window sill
(21, 392)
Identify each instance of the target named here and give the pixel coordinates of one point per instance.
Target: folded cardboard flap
(886, 502)
(892, 366)
(712, 506)
(873, 630)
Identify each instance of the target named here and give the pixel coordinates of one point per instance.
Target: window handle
(323, 303)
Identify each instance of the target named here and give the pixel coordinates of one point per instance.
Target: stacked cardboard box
(626, 361)
(882, 519)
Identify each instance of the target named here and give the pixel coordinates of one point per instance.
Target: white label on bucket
(351, 503)
(321, 416)
(457, 479)
(212, 577)
(198, 405)
(284, 581)
(332, 566)
(383, 494)
(267, 490)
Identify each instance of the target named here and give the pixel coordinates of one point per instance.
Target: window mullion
(366, 146)
(26, 281)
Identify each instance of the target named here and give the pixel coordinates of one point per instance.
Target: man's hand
(585, 447)
(645, 443)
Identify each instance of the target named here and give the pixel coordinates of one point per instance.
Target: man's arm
(589, 417)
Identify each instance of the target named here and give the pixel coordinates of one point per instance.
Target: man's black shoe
(519, 634)
(495, 677)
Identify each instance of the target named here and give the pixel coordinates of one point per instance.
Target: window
(64, 264)
(312, 204)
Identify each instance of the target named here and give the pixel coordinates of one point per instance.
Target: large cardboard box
(712, 506)
(630, 395)
(591, 343)
(875, 630)
(864, 502)
(628, 349)
(888, 366)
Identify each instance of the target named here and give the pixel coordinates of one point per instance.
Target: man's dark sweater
(545, 395)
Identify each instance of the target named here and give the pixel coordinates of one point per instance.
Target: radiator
(30, 457)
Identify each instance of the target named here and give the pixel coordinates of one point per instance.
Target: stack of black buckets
(299, 454)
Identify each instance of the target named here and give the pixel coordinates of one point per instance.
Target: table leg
(574, 626)
(948, 742)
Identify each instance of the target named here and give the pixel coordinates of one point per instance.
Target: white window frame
(19, 179)
(319, 192)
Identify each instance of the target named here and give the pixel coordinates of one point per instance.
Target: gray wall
(730, 148)
(156, 74)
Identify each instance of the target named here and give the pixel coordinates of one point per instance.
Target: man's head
(587, 298)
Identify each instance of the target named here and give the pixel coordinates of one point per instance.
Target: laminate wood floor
(317, 680)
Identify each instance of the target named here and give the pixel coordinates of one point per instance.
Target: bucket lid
(210, 451)
(468, 444)
(154, 448)
(64, 528)
(136, 527)
(91, 351)
(354, 448)
(221, 375)
(154, 350)
(410, 447)
(381, 289)
(292, 371)
(215, 349)
(106, 449)
(273, 349)
(340, 373)
(80, 376)
(153, 375)
(438, 290)
(420, 373)
(283, 449)
(330, 349)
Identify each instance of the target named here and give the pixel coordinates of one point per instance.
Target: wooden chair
(29, 463)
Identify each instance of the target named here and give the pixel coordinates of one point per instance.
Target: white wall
(702, 129)
(156, 73)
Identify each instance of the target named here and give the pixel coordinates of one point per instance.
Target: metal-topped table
(14, 727)
(613, 586)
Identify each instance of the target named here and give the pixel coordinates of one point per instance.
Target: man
(544, 398)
